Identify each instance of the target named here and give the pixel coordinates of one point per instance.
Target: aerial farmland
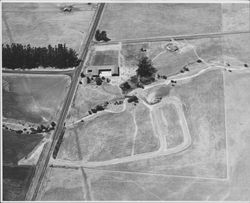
(126, 102)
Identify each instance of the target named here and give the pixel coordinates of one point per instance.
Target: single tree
(145, 68)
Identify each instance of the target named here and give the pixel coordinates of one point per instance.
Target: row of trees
(27, 57)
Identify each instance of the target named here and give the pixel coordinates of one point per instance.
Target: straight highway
(45, 157)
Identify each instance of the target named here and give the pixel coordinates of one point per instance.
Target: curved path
(163, 150)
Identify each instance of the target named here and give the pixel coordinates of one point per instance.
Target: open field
(203, 101)
(16, 147)
(146, 140)
(69, 148)
(34, 98)
(63, 185)
(16, 181)
(132, 53)
(209, 49)
(169, 63)
(237, 97)
(235, 17)
(237, 48)
(107, 137)
(41, 24)
(101, 58)
(152, 20)
(174, 134)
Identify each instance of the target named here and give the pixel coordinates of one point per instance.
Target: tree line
(26, 57)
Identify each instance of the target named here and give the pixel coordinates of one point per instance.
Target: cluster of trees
(101, 36)
(39, 129)
(133, 99)
(27, 57)
(145, 74)
(97, 80)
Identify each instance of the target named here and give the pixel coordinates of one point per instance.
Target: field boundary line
(225, 123)
(175, 37)
(155, 174)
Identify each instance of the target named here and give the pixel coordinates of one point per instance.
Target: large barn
(106, 71)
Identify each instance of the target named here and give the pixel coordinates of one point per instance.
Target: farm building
(106, 71)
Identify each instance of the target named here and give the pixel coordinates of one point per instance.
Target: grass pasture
(63, 185)
(208, 48)
(34, 98)
(174, 134)
(237, 47)
(132, 53)
(41, 24)
(104, 185)
(106, 137)
(105, 58)
(110, 187)
(146, 140)
(169, 63)
(235, 17)
(69, 149)
(16, 181)
(237, 107)
(16, 147)
(152, 20)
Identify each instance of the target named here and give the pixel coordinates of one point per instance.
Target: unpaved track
(163, 151)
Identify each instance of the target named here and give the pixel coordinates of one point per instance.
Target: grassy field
(69, 148)
(106, 187)
(235, 17)
(36, 99)
(106, 137)
(146, 140)
(208, 48)
(101, 58)
(16, 181)
(152, 20)
(174, 134)
(63, 185)
(41, 24)
(237, 108)
(16, 147)
(132, 53)
(203, 99)
(237, 47)
(169, 63)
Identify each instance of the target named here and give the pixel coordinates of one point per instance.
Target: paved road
(37, 72)
(48, 150)
(176, 37)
